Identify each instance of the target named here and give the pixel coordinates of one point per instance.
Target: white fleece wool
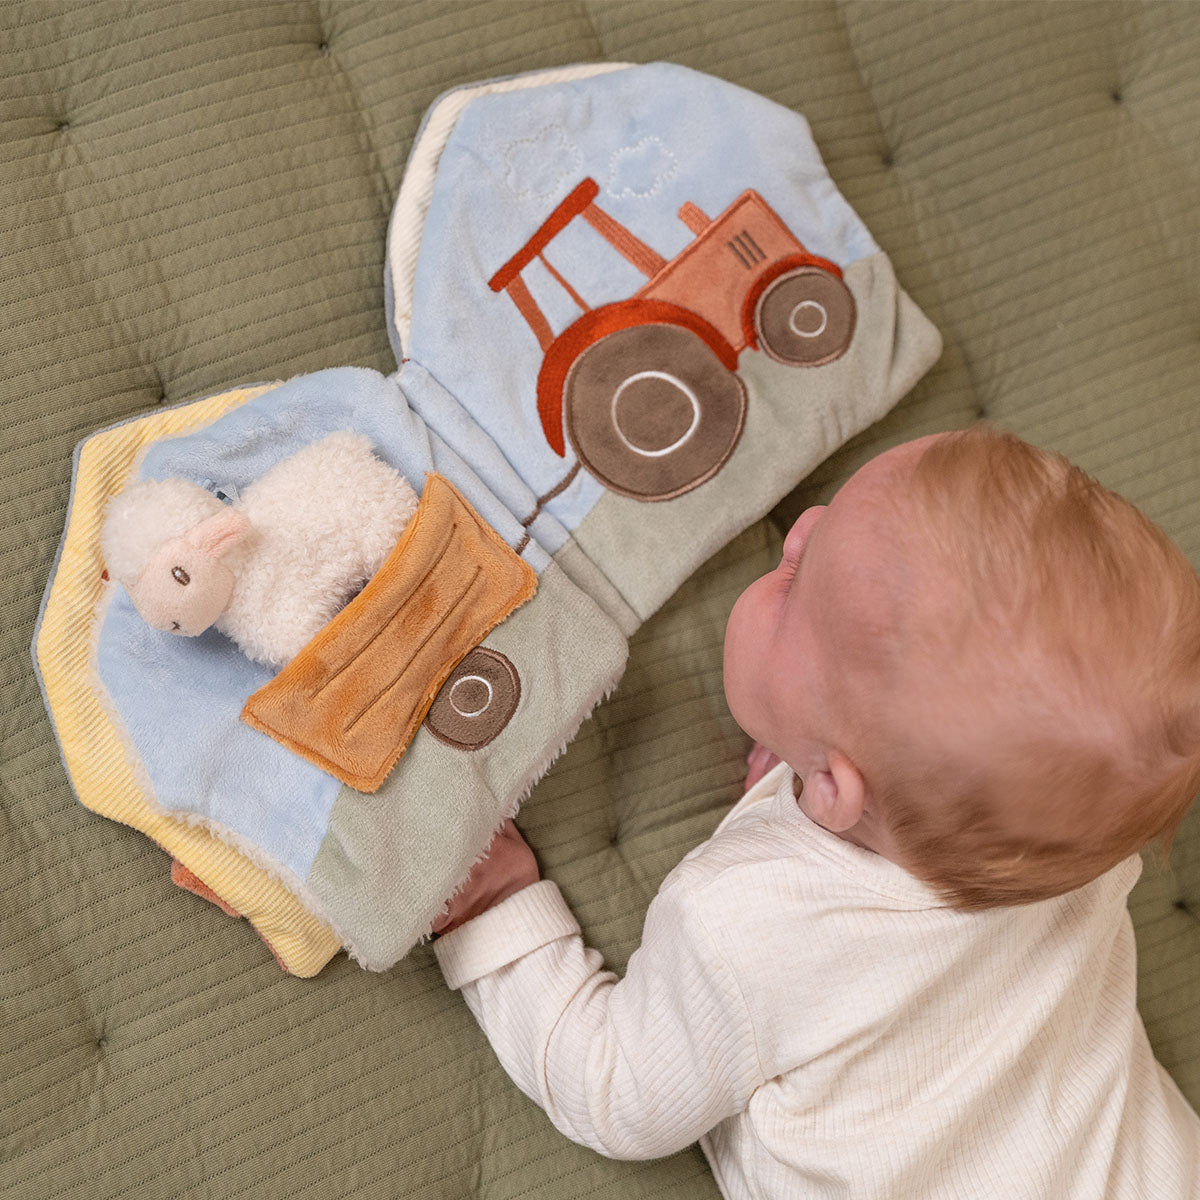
(144, 516)
(322, 522)
(324, 519)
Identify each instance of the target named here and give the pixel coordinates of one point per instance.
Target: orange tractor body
(714, 289)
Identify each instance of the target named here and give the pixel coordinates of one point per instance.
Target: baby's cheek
(745, 643)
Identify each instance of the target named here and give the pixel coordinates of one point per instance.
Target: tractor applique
(645, 388)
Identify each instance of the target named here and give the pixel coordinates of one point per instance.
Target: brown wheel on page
(652, 412)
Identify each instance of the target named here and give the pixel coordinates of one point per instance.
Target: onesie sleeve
(634, 1068)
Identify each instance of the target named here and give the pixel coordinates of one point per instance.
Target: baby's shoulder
(753, 859)
(750, 838)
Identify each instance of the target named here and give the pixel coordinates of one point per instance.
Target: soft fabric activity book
(319, 638)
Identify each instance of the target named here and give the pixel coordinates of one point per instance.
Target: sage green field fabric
(194, 195)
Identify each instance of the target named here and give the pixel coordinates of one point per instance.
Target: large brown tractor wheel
(805, 318)
(652, 412)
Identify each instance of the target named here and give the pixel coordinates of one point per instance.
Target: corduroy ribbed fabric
(827, 1027)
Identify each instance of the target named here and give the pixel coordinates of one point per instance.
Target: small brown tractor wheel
(805, 318)
(652, 412)
(476, 702)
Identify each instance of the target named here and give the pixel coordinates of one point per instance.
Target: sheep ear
(218, 534)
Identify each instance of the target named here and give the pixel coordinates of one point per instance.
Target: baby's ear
(836, 797)
(218, 534)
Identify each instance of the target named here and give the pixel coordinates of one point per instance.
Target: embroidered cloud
(541, 165)
(638, 171)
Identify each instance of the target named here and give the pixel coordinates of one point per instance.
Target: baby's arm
(635, 1068)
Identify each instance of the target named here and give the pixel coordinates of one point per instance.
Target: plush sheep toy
(272, 568)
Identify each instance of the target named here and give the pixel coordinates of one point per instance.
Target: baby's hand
(508, 867)
(760, 760)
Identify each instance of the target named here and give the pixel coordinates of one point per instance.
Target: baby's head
(982, 664)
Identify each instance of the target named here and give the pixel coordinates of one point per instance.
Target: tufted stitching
(383, 191)
(366, 1117)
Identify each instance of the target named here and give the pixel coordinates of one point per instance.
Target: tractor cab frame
(644, 388)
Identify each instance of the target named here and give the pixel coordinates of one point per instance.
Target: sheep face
(185, 586)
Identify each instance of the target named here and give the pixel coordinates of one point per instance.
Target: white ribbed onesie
(826, 1027)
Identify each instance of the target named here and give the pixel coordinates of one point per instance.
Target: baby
(902, 966)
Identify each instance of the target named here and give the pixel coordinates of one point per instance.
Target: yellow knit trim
(97, 758)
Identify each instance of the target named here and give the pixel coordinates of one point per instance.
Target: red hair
(1064, 719)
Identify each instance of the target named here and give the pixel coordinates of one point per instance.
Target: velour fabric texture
(584, 259)
(353, 697)
(655, 411)
(91, 737)
(174, 706)
(198, 194)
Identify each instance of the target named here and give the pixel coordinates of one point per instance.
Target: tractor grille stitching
(746, 249)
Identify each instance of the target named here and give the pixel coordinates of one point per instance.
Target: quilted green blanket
(196, 196)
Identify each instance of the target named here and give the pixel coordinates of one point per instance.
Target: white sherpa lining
(536, 770)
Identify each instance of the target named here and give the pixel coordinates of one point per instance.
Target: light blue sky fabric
(445, 418)
(180, 699)
(653, 138)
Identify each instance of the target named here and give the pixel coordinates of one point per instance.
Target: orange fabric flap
(352, 699)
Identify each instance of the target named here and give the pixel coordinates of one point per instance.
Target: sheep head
(165, 541)
(185, 586)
